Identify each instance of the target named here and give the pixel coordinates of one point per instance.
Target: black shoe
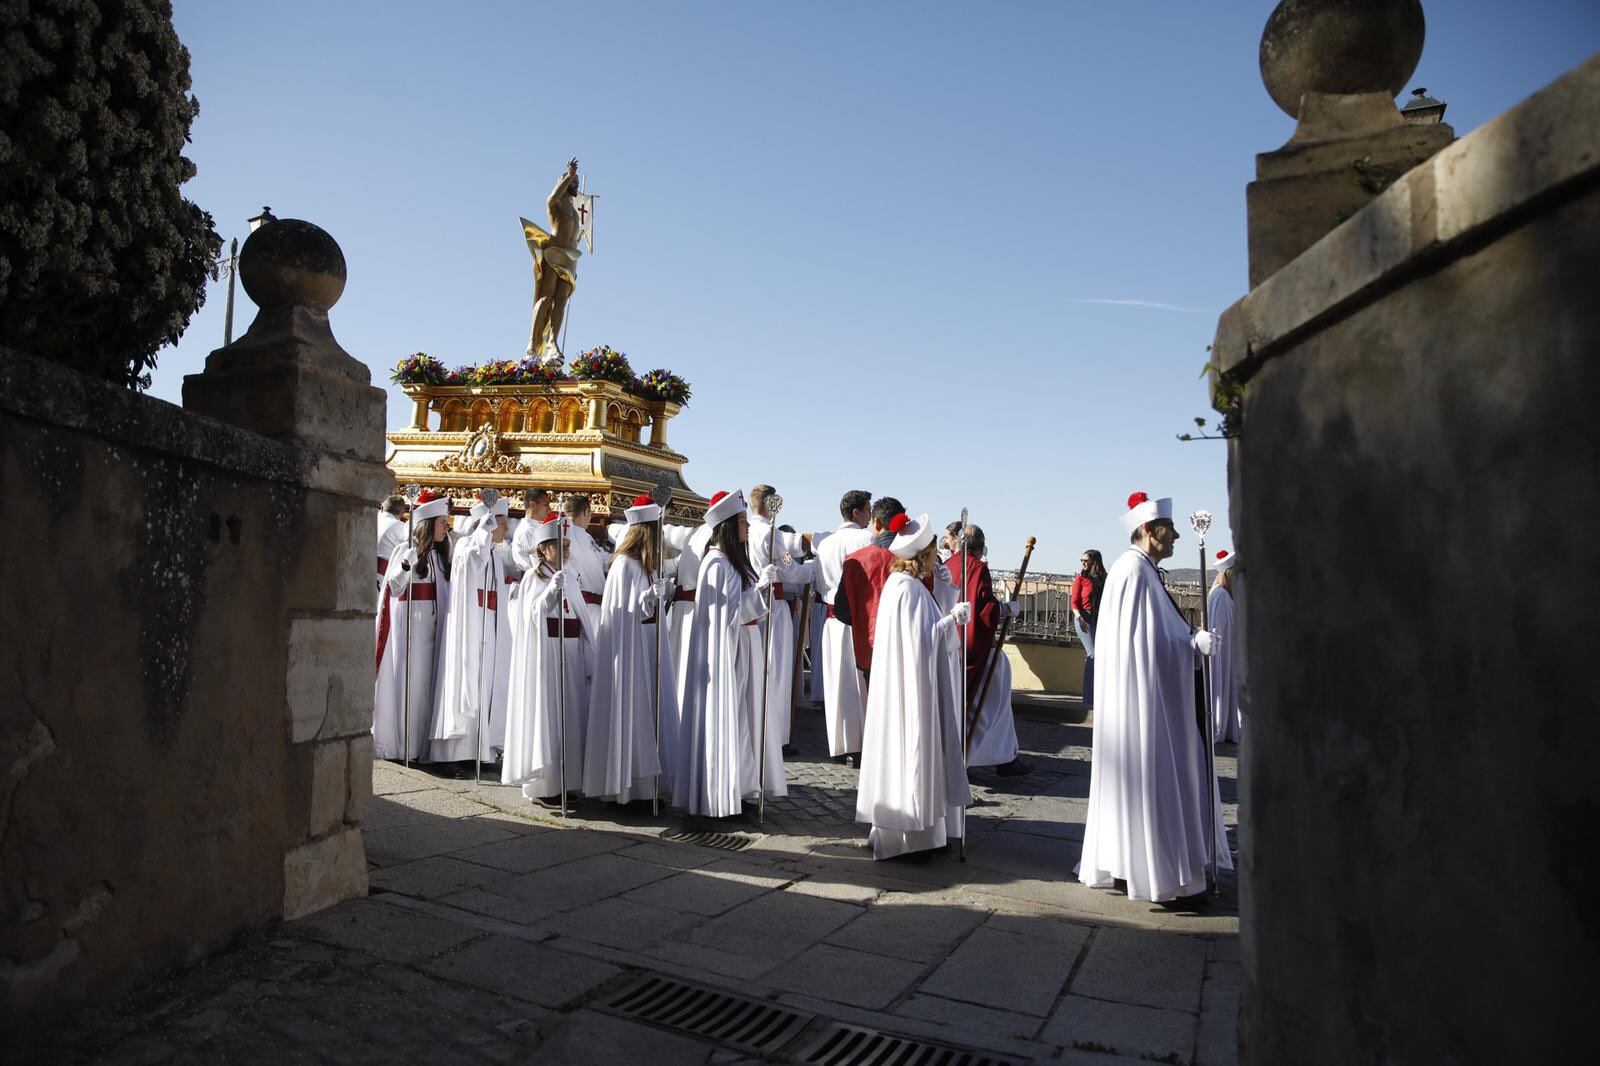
(790, 751)
(549, 803)
(1015, 768)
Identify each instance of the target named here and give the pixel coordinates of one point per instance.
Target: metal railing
(1047, 605)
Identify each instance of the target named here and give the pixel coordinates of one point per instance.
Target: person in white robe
(412, 608)
(589, 560)
(1149, 785)
(913, 787)
(546, 720)
(392, 532)
(469, 723)
(680, 618)
(843, 688)
(717, 757)
(770, 545)
(1226, 725)
(624, 751)
(535, 509)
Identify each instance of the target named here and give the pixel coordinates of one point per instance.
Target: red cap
(1136, 499)
(551, 517)
(716, 497)
(643, 501)
(428, 496)
(898, 522)
(1222, 555)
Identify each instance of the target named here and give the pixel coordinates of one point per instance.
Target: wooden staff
(999, 646)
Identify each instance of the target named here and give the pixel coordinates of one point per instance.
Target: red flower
(1137, 498)
(898, 522)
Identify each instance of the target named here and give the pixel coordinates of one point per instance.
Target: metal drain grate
(721, 841)
(854, 1045)
(724, 1017)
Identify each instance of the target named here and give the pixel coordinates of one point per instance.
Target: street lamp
(262, 219)
(233, 270)
(1422, 109)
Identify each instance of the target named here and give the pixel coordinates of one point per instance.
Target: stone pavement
(496, 934)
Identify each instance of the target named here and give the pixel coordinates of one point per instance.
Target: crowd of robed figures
(524, 647)
(530, 649)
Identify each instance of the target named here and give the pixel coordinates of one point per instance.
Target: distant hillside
(1191, 576)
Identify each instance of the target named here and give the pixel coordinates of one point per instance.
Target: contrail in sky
(1139, 303)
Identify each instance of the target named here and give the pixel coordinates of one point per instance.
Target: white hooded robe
(536, 721)
(1225, 721)
(716, 760)
(1148, 791)
(913, 787)
(620, 752)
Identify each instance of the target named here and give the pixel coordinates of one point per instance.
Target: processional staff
(774, 504)
(411, 492)
(999, 648)
(1200, 522)
(663, 496)
(966, 739)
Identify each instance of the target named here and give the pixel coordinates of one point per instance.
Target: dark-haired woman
(716, 758)
(411, 621)
(620, 756)
(1086, 590)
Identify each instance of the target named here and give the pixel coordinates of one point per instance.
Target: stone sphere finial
(1339, 46)
(292, 263)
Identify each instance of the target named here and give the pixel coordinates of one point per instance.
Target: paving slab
(969, 1017)
(846, 976)
(589, 1037)
(908, 929)
(1150, 969)
(695, 957)
(698, 894)
(431, 877)
(775, 926)
(622, 923)
(406, 843)
(1218, 1041)
(381, 930)
(522, 970)
(996, 968)
(578, 883)
(542, 850)
(1096, 1025)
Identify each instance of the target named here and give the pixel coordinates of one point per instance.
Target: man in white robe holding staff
(475, 659)
(1149, 783)
(412, 606)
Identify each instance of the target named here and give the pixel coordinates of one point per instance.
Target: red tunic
(865, 571)
(985, 618)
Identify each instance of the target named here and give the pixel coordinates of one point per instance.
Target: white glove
(665, 588)
(769, 574)
(961, 613)
(1205, 641)
(558, 581)
(648, 600)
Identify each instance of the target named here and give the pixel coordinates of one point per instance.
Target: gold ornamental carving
(480, 455)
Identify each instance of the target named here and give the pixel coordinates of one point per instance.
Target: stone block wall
(184, 733)
(1415, 495)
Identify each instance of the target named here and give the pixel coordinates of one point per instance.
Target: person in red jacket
(994, 733)
(861, 581)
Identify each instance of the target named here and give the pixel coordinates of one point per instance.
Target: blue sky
(963, 254)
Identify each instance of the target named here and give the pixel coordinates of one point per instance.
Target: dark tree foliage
(102, 260)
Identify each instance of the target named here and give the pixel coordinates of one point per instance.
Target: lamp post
(1422, 109)
(233, 270)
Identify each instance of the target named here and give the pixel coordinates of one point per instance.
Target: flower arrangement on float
(597, 364)
(604, 363)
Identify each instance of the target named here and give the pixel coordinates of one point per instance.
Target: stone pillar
(1336, 68)
(287, 378)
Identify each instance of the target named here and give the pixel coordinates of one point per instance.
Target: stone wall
(185, 737)
(1416, 493)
